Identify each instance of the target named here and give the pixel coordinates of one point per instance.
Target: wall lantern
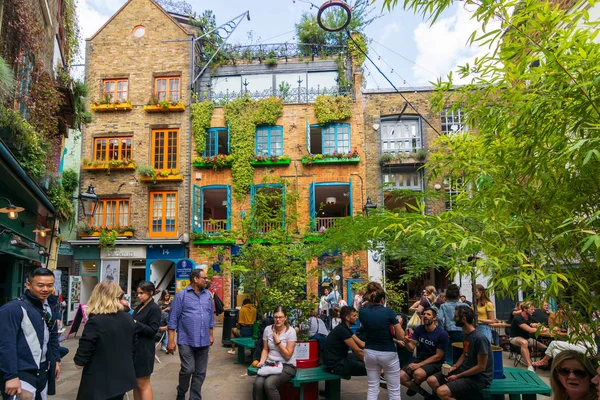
(10, 209)
(88, 201)
(330, 201)
(42, 231)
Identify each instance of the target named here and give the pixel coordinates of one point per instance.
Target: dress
(147, 324)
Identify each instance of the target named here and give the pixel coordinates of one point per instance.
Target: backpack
(219, 306)
(319, 337)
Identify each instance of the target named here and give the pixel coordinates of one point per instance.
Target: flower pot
(160, 109)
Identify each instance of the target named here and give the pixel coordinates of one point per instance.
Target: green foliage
(82, 115)
(44, 105)
(70, 180)
(386, 157)
(354, 49)
(146, 170)
(308, 31)
(332, 109)
(61, 200)
(206, 22)
(7, 81)
(72, 31)
(107, 238)
(201, 116)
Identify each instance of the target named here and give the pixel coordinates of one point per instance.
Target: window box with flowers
(89, 231)
(155, 106)
(218, 161)
(119, 165)
(265, 161)
(199, 238)
(106, 105)
(333, 158)
(148, 174)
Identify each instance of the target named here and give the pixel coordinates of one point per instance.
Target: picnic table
(242, 344)
(517, 384)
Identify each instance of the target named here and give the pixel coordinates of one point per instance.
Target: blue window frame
(217, 142)
(328, 139)
(269, 141)
(313, 199)
(208, 208)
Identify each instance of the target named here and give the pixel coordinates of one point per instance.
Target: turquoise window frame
(253, 189)
(212, 140)
(272, 131)
(198, 206)
(312, 200)
(338, 145)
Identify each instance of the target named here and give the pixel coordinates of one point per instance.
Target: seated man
(581, 342)
(431, 341)
(521, 329)
(474, 369)
(335, 354)
(245, 324)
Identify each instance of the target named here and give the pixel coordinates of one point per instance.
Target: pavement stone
(225, 380)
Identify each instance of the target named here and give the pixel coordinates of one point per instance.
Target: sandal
(540, 363)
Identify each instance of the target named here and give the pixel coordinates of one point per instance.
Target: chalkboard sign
(80, 316)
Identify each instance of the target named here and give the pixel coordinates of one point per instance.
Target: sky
(409, 51)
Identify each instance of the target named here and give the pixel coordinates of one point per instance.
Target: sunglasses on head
(579, 373)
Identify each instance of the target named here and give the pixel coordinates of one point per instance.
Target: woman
(416, 304)
(428, 300)
(106, 347)
(486, 314)
(335, 320)
(380, 349)
(571, 377)
(164, 303)
(446, 318)
(279, 343)
(147, 321)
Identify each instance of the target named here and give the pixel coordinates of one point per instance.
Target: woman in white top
(279, 343)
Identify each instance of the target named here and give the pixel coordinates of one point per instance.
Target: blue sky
(407, 49)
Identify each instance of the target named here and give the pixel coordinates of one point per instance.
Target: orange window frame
(120, 150)
(119, 211)
(163, 216)
(121, 95)
(163, 147)
(167, 92)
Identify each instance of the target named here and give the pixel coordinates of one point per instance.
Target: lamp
(330, 201)
(41, 230)
(88, 201)
(10, 209)
(369, 205)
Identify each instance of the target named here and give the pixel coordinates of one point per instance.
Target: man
(29, 350)
(521, 329)
(474, 369)
(192, 316)
(543, 315)
(431, 341)
(332, 299)
(339, 340)
(463, 299)
(245, 324)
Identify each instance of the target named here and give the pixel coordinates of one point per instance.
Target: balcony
(326, 222)
(214, 226)
(266, 227)
(329, 203)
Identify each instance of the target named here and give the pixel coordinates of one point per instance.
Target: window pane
(125, 149)
(174, 89)
(157, 212)
(113, 149)
(98, 215)
(161, 89)
(172, 150)
(159, 150)
(171, 212)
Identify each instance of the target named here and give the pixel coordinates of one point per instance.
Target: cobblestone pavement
(225, 380)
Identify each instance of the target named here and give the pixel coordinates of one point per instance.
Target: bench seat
(518, 384)
(243, 343)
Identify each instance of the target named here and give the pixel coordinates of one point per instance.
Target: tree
(528, 214)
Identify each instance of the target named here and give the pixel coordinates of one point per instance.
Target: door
(137, 273)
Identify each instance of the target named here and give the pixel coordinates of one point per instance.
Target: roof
(126, 4)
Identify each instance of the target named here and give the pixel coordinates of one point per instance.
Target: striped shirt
(192, 316)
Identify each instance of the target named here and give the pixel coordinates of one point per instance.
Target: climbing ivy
(201, 115)
(331, 109)
(243, 115)
(358, 58)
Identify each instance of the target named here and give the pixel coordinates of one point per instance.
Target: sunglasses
(49, 321)
(579, 373)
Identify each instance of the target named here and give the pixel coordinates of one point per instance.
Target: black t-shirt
(376, 319)
(335, 348)
(474, 344)
(540, 316)
(514, 327)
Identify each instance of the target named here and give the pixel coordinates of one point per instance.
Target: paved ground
(225, 380)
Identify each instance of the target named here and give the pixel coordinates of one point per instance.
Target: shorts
(244, 331)
(429, 369)
(531, 341)
(462, 387)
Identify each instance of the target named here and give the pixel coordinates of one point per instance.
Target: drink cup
(446, 369)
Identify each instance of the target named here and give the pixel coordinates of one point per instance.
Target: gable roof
(126, 4)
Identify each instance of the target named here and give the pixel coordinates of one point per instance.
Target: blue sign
(163, 252)
(183, 268)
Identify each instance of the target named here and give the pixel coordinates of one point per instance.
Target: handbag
(270, 368)
(414, 321)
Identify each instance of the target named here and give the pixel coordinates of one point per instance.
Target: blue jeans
(486, 331)
(455, 336)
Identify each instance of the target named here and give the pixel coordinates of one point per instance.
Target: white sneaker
(163, 348)
(232, 351)
(531, 368)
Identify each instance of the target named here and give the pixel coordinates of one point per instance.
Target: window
(453, 121)
(115, 90)
(163, 217)
(410, 180)
(23, 86)
(267, 202)
(328, 139)
(164, 149)
(401, 136)
(111, 213)
(217, 142)
(211, 208)
(269, 141)
(453, 187)
(167, 88)
(107, 149)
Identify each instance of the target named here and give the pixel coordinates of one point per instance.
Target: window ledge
(161, 109)
(330, 160)
(107, 167)
(170, 178)
(211, 165)
(111, 107)
(265, 163)
(97, 234)
(213, 241)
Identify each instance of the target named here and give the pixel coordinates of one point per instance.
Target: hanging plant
(358, 58)
(107, 238)
(201, 116)
(332, 109)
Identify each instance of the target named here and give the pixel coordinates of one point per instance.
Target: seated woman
(279, 343)
(335, 354)
(582, 343)
(573, 377)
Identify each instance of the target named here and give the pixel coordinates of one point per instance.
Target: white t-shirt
(285, 337)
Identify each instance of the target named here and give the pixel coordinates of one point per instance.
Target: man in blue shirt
(192, 316)
(431, 342)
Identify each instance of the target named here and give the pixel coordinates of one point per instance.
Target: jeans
(486, 331)
(194, 362)
(455, 336)
(268, 384)
(375, 361)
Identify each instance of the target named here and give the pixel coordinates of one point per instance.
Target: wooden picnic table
(517, 384)
(242, 344)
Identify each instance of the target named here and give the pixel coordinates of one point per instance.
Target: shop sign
(124, 252)
(162, 252)
(65, 249)
(183, 268)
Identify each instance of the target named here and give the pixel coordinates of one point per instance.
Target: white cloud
(443, 46)
(389, 30)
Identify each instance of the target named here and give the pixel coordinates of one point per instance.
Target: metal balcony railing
(325, 223)
(214, 225)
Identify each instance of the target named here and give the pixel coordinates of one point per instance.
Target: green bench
(333, 386)
(517, 384)
(242, 344)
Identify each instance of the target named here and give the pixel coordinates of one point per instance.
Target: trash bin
(229, 321)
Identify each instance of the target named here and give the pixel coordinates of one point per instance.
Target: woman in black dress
(147, 322)
(106, 347)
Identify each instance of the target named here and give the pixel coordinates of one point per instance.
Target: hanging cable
(407, 59)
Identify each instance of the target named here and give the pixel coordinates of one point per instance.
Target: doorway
(137, 273)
